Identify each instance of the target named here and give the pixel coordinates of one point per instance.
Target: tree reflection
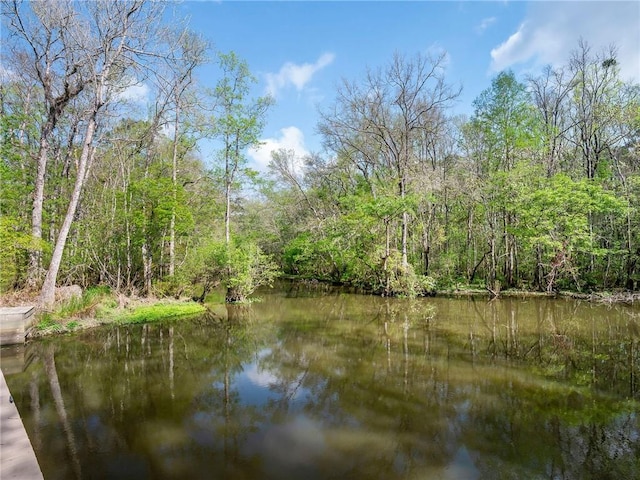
(52, 375)
(344, 386)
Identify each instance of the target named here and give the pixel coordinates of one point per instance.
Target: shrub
(241, 267)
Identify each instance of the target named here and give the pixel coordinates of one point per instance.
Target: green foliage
(85, 305)
(556, 219)
(404, 282)
(350, 251)
(241, 267)
(171, 287)
(248, 269)
(505, 120)
(556, 216)
(13, 254)
(502, 197)
(157, 312)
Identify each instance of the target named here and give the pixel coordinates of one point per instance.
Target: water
(316, 383)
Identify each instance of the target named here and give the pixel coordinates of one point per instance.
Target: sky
(300, 50)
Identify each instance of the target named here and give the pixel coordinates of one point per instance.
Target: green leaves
(505, 119)
(558, 213)
(15, 244)
(241, 267)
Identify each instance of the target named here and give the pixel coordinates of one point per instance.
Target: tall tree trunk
(227, 191)
(174, 179)
(47, 295)
(405, 223)
(35, 255)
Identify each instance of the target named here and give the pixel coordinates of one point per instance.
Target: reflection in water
(52, 375)
(326, 384)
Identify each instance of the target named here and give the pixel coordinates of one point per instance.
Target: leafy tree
(241, 267)
(504, 120)
(556, 218)
(239, 120)
(377, 125)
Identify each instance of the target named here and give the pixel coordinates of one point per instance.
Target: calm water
(317, 383)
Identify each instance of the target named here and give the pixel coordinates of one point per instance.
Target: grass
(155, 312)
(48, 323)
(99, 306)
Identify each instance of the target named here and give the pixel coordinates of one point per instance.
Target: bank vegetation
(537, 190)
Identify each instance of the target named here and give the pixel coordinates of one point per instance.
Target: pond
(315, 382)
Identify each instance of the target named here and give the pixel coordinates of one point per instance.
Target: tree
(47, 49)
(599, 100)
(377, 125)
(189, 54)
(504, 121)
(113, 43)
(550, 93)
(241, 267)
(556, 217)
(239, 120)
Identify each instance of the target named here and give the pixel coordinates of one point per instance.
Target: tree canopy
(538, 189)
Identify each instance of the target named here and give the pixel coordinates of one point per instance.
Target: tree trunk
(35, 255)
(405, 223)
(227, 193)
(147, 261)
(47, 295)
(234, 296)
(174, 179)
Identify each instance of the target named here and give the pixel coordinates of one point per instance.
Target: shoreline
(135, 312)
(132, 310)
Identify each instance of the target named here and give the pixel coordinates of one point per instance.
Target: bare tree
(599, 97)
(189, 54)
(45, 34)
(551, 93)
(378, 123)
(115, 41)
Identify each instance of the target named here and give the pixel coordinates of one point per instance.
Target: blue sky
(301, 50)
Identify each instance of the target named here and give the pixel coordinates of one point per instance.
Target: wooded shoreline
(75, 315)
(538, 189)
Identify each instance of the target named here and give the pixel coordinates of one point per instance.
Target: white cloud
(135, 93)
(513, 50)
(484, 24)
(291, 138)
(296, 75)
(550, 32)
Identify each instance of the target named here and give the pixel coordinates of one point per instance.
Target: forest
(538, 189)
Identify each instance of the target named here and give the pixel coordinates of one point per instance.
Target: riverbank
(138, 311)
(99, 306)
(460, 290)
(595, 297)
